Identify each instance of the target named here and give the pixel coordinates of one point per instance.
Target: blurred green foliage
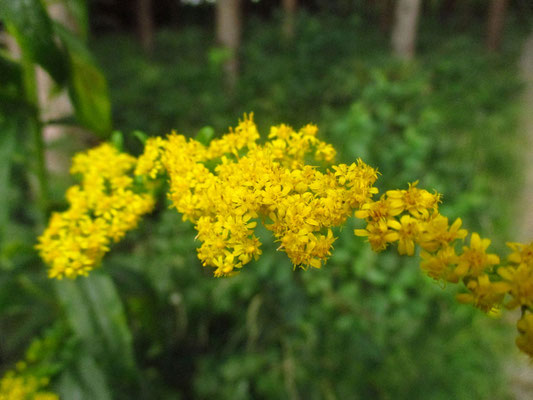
(49, 44)
(153, 324)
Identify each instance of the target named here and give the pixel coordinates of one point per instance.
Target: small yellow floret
(525, 339)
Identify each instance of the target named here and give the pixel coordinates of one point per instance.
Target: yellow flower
(416, 201)
(438, 233)
(439, 265)
(150, 163)
(408, 231)
(377, 209)
(475, 261)
(522, 253)
(378, 233)
(519, 283)
(244, 135)
(484, 294)
(525, 329)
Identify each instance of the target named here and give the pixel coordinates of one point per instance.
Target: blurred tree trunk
(496, 22)
(174, 10)
(405, 27)
(54, 105)
(289, 14)
(447, 9)
(228, 35)
(386, 13)
(145, 24)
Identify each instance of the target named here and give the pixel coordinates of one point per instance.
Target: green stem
(35, 129)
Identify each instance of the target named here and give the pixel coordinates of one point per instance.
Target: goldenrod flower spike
(227, 187)
(102, 209)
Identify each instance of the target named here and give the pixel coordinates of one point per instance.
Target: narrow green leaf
(93, 378)
(29, 23)
(87, 85)
(79, 10)
(85, 381)
(141, 136)
(8, 132)
(69, 388)
(110, 318)
(78, 313)
(88, 91)
(117, 138)
(96, 315)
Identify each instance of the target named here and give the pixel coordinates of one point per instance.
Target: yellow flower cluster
(517, 281)
(102, 209)
(411, 217)
(222, 188)
(226, 187)
(24, 387)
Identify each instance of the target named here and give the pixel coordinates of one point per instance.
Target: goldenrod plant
(289, 184)
(30, 377)
(17, 386)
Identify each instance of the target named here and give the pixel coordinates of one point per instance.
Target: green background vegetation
(153, 324)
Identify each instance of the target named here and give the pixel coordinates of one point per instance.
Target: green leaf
(96, 315)
(87, 85)
(13, 103)
(78, 9)
(110, 318)
(79, 313)
(205, 135)
(69, 388)
(85, 381)
(10, 72)
(117, 139)
(141, 136)
(29, 23)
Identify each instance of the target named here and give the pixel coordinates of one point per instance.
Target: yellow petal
(394, 224)
(493, 259)
(464, 298)
(392, 237)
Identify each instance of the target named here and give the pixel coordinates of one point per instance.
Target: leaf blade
(87, 85)
(31, 26)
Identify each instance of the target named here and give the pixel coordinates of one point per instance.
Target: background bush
(154, 324)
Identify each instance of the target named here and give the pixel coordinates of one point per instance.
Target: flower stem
(34, 127)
